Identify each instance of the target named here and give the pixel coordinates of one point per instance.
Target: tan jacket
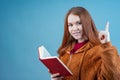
(90, 62)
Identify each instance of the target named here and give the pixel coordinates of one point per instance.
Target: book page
(43, 53)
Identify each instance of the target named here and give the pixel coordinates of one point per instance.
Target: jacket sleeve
(110, 66)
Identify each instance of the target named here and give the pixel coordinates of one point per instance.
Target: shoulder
(96, 51)
(102, 47)
(104, 51)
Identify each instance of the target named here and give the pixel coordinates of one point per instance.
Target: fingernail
(102, 37)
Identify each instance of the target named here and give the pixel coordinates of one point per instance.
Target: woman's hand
(104, 36)
(56, 76)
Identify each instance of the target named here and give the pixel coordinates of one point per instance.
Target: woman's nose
(75, 27)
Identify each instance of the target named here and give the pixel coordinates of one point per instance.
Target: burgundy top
(77, 46)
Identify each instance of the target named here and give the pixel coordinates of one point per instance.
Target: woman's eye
(70, 25)
(78, 23)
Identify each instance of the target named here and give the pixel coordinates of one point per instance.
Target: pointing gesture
(104, 36)
(107, 26)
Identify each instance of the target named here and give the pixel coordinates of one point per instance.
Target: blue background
(27, 24)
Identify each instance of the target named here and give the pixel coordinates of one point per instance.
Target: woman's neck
(82, 40)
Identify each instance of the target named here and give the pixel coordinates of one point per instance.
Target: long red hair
(88, 25)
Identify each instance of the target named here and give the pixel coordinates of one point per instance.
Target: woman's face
(75, 28)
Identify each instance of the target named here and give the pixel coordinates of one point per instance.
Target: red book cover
(53, 63)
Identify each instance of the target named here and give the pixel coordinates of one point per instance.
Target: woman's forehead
(73, 18)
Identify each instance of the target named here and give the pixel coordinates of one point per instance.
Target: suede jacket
(90, 62)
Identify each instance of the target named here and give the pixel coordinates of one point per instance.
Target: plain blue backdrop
(27, 24)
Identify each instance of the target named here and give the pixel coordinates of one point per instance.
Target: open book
(53, 63)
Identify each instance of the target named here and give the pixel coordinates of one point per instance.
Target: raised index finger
(107, 27)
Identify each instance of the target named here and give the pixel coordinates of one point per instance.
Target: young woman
(85, 51)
